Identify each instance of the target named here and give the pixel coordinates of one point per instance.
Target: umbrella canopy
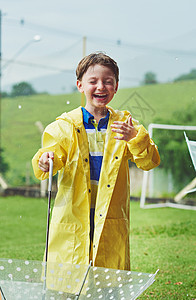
(24, 279)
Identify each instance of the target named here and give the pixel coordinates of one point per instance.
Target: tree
(22, 89)
(4, 95)
(4, 167)
(172, 145)
(190, 76)
(150, 78)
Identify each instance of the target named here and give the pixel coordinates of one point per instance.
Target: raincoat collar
(76, 116)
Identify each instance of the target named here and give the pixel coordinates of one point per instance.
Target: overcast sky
(142, 35)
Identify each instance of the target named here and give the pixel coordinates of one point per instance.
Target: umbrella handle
(50, 174)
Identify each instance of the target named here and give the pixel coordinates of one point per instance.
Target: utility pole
(84, 54)
(0, 75)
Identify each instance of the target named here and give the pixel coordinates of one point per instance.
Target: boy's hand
(44, 161)
(127, 130)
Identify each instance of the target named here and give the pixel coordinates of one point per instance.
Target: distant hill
(20, 137)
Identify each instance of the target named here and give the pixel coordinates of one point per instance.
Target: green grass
(165, 239)
(161, 238)
(20, 138)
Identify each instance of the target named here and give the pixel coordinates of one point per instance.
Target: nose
(100, 85)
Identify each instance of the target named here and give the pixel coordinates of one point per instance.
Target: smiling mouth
(97, 96)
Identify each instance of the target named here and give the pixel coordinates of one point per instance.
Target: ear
(79, 86)
(116, 88)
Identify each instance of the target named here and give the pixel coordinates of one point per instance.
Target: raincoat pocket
(114, 244)
(61, 242)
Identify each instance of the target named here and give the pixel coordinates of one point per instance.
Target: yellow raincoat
(70, 223)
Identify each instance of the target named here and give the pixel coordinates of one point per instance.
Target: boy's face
(99, 86)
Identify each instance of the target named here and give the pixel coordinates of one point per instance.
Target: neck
(98, 113)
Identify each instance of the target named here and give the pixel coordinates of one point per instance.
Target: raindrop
(77, 280)
(150, 275)
(60, 265)
(96, 275)
(68, 102)
(121, 292)
(19, 106)
(99, 290)
(119, 278)
(141, 288)
(89, 295)
(26, 262)
(110, 291)
(112, 297)
(108, 276)
(131, 286)
(130, 279)
(95, 268)
(77, 266)
(52, 271)
(176, 58)
(129, 273)
(1, 267)
(100, 296)
(139, 274)
(26, 276)
(35, 270)
(132, 293)
(68, 272)
(60, 279)
(106, 270)
(10, 276)
(18, 269)
(20, 217)
(97, 283)
(10, 261)
(109, 284)
(68, 286)
(120, 285)
(141, 280)
(117, 272)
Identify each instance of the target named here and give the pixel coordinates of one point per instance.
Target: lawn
(161, 239)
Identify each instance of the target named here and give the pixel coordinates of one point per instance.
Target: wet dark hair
(98, 58)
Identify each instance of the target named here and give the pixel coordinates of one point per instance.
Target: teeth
(100, 96)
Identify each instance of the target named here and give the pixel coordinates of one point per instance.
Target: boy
(90, 147)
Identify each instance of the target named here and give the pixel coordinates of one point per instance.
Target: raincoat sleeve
(142, 150)
(52, 141)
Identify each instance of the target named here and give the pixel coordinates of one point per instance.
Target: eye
(108, 82)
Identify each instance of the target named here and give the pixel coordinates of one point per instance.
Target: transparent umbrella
(24, 279)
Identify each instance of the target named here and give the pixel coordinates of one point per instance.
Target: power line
(39, 66)
(106, 41)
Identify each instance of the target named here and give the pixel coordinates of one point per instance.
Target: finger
(117, 123)
(120, 138)
(51, 155)
(130, 121)
(118, 130)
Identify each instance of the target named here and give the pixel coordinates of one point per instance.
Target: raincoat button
(89, 190)
(100, 215)
(86, 159)
(116, 157)
(108, 185)
(78, 130)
